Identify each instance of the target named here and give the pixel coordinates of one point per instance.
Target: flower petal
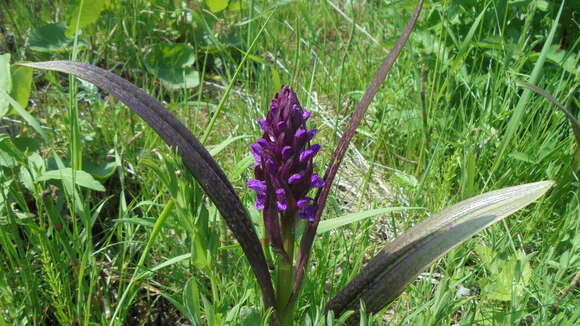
(257, 185)
(281, 196)
(260, 200)
(307, 212)
(295, 178)
(311, 134)
(286, 152)
(316, 181)
(309, 153)
(303, 202)
(263, 124)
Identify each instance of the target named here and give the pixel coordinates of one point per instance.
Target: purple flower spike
(283, 159)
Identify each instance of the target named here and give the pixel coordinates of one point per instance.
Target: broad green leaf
(249, 316)
(335, 223)
(100, 170)
(508, 278)
(5, 82)
(387, 275)
(567, 61)
(21, 84)
(216, 5)
(51, 38)
(173, 65)
(85, 13)
(82, 178)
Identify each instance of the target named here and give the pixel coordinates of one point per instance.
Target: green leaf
(5, 82)
(331, 224)
(508, 278)
(386, 275)
(173, 64)
(10, 155)
(143, 221)
(85, 13)
(191, 299)
(215, 150)
(249, 316)
(23, 113)
(217, 5)
(21, 84)
(52, 38)
(82, 178)
(100, 170)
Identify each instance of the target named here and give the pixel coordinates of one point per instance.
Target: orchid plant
(283, 180)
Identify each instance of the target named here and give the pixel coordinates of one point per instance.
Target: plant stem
(285, 272)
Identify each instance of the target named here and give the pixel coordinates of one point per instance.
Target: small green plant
(282, 195)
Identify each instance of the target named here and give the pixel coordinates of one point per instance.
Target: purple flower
(283, 159)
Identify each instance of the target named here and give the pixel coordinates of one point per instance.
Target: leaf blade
(340, 151)
(387, 274)
(195, 157)
(337, 222)
(81, 178)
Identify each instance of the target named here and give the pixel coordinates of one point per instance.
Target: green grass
(449, 123)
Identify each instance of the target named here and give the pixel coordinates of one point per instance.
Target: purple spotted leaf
(195, 157)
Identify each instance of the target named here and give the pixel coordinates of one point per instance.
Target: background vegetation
(449, 123)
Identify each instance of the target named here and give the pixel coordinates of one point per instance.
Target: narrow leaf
(340, 151)
(215, 150)
(5, 82)
(23, 113)
(335, 223)
(386, 275)
(195, 157)
(81, 178)
(573, 121)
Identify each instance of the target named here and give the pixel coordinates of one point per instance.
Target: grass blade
(337, 222)
(387, 274)
(521, 106)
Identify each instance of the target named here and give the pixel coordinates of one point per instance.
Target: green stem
(285, 272)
